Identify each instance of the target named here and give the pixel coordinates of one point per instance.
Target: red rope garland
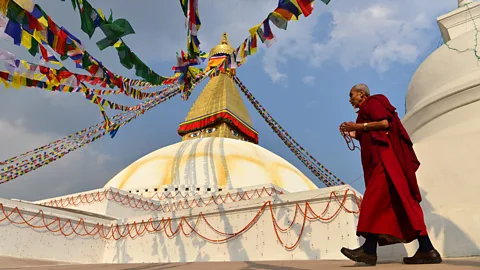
(137, 229)
(151, 206)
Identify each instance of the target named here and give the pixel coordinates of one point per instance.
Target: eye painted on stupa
(196, 134)
(210, 130)
(235, 133)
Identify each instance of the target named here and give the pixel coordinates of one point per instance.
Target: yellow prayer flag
(43, 21)
(16, 81)
(25, 64)
(40, 35)
(39, 77)
(7, 85)
(254, 29)
(26, 39)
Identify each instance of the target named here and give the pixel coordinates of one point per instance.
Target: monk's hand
(348, 127)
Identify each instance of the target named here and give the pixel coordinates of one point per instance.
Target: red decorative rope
(138, 229)
(147, 205)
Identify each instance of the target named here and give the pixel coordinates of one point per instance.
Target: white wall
(320, 240)
(27, 242)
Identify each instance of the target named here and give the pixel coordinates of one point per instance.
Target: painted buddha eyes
(235, 133)
(210, 130)
(196, 134)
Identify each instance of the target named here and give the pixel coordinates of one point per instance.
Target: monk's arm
(375, 125)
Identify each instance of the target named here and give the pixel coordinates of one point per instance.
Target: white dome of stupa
(446, 80)
(443, 116)
(443, 71)
(209, 163)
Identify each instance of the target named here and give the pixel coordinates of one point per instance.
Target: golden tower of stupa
(219, 111)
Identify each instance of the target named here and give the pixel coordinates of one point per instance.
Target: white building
(443, 119)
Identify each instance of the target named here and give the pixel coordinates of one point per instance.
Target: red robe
(390, 206)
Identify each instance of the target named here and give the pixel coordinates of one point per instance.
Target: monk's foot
(430, 257)
(359, 255)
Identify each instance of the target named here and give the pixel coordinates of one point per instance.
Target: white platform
(320, 240)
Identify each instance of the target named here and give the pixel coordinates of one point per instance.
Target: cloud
(308, 80)
(377, 34)
(71, 173)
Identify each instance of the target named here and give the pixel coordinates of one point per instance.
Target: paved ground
(13, 263)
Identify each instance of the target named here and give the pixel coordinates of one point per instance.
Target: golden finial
(223, 47)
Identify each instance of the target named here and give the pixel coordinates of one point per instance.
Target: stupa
(218, 150)
(443, 116)
(214, 196)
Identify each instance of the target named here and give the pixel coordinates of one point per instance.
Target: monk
(390, 211)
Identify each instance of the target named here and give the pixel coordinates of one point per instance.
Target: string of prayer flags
(61, 41)
(319, 170)
(185, 72)
(16, 81)
(44, 155)
(192, 23)
(55, 77)
(286, 11)
(92, 18)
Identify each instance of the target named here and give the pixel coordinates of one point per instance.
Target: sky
(303, 80)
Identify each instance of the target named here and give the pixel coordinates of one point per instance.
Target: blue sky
(303, 80)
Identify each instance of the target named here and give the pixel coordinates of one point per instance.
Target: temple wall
(320, 240)
(25, 241)
(448, 180)
(444, 129)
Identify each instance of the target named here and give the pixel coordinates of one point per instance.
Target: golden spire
(219, 110)
(223, 47)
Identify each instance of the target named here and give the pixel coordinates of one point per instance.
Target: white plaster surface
(320, 240)
(26, 242)
(443, 104)
(460, 20)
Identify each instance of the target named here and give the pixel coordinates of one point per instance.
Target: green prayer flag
(125, 55)
(86, 63)
(34, 49)
(113, 32)
(15, 12)
(184, 4)
(87, 24)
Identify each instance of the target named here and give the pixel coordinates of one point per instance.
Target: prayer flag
(306, 6)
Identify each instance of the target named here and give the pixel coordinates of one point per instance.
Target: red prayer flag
(306, 6)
